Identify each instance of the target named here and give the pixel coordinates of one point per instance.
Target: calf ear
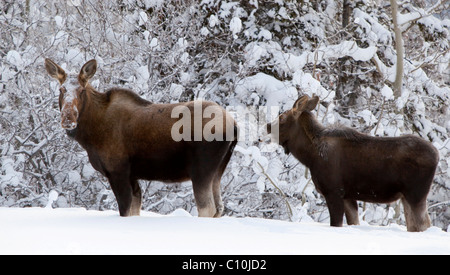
(55, 71)
(87, 72)
(300, 102)
(312, 103)
(305, 103)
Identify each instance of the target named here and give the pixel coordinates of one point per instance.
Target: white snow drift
(78, 231)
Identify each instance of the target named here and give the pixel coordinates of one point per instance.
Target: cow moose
(347, 166)
(128, 138)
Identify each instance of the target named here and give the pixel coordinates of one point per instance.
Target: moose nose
(68, 125)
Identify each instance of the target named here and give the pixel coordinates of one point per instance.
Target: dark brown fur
(347, 166)
(128, 138)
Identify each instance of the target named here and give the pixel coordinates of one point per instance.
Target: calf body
(128, 138)
(347, 166)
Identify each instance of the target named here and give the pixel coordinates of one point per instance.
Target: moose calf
(347, 166)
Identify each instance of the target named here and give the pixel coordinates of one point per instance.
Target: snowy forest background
(236, 53)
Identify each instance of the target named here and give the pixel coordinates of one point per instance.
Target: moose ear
(300, 102)
(87, 72)
(55, 71)
(305, 103)
(312, 103)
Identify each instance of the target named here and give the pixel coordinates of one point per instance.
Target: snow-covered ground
(78, 231)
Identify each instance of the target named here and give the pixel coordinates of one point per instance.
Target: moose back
(128, 138)
(347, 166)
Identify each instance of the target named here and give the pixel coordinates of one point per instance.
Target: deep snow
(78, 231)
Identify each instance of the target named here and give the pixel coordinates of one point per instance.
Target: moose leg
(416, 215)
(207, 170)
(202, 182)
(336, 208)
(136, 199)
(121, 186)
(216, 185)
(217, 196)
(122, 191)
(351, 212)
(204, 198)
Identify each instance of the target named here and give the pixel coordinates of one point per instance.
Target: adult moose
(128, 138)
(347, 166)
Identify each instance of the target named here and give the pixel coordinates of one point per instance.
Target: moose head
(72, 91)
(287, 122)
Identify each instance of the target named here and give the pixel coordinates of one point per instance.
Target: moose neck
(305, 143)
(91, 118)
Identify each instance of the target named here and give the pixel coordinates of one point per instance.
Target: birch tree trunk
(399, 49)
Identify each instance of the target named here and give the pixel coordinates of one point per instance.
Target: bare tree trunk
(399, 49)
(343, 78)
(345, 13)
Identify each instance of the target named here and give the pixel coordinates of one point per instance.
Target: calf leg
(351, 212)
(416, 215)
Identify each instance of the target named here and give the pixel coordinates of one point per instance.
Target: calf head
(288, 123)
